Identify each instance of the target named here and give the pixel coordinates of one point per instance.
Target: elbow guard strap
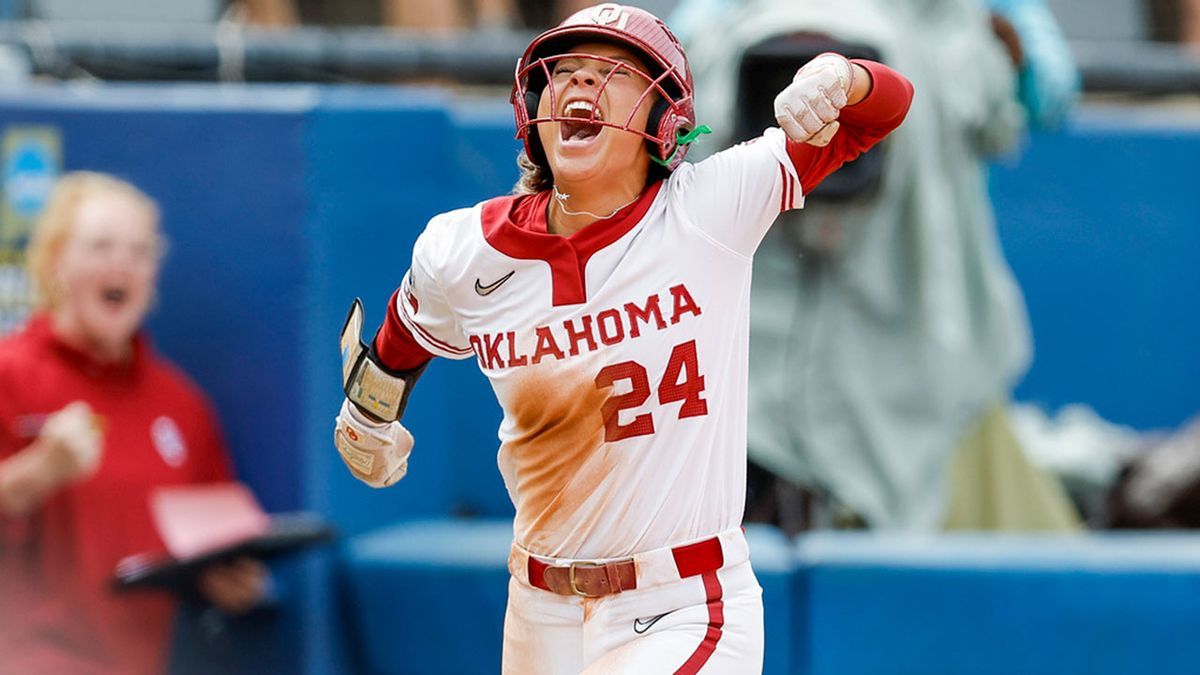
(376, 390)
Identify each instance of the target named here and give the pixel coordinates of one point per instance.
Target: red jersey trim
(517, 227)
(394, 343)
(787, 193)
(412, 325)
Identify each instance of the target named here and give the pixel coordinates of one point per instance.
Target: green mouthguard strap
(682, 139)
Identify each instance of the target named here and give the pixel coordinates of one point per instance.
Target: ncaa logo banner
(32, 163)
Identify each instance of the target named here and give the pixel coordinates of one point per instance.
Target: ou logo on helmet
(611, 14)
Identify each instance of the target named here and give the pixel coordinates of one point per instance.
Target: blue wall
(997, 604)
(1100, 226)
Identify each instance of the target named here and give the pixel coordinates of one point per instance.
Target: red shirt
(57, 612)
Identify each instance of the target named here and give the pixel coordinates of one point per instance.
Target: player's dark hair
(534, 178)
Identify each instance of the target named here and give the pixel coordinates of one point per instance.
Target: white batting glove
(375, 452)
(808, 108)
(72, 442)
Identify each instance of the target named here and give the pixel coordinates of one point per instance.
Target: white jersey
(619, 354)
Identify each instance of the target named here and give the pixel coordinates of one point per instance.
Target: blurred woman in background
(92, 419)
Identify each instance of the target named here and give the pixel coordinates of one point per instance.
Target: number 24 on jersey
(681, 381)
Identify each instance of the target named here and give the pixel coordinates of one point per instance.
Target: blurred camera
(767, 68)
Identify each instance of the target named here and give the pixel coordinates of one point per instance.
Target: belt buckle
(571, 577)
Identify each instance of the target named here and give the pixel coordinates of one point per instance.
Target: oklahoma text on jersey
(586, 333)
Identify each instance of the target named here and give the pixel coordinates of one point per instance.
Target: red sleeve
(395, 345)
(862, 126)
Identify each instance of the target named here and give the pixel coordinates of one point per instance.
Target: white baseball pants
(711, 623)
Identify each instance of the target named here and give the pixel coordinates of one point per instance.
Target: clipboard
(206, 524)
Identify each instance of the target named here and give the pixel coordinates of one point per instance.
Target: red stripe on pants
(716, 619)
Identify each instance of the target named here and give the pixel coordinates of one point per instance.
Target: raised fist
(71, 440)
(807, 109)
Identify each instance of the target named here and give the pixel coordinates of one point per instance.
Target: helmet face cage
(671, 115)
(534, 75)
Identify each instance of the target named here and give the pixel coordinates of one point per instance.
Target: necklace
(562, 198)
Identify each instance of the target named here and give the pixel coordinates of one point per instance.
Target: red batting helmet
(671, 117)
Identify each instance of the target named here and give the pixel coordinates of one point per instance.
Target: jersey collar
(517, 227)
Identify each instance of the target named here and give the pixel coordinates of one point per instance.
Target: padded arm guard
(376, 390)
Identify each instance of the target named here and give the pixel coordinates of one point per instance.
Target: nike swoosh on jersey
(640, 626)
(487, 290)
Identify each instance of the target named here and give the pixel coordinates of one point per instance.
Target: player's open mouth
(582, 127)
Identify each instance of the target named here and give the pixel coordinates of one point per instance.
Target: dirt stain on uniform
(557, 452)
(590, 605)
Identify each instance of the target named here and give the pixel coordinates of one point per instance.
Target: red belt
(595, 580)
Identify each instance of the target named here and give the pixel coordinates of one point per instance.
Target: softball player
(607, 303)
